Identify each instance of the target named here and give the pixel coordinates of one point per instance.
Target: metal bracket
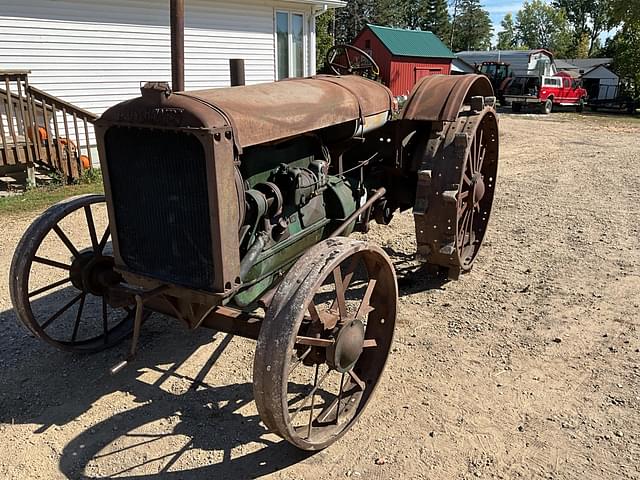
(477, 103)
(423, 191)
(140, 299)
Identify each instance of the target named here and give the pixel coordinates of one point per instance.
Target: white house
(95, 53)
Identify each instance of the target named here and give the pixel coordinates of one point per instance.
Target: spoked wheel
(456, 185)
(350, 60)
(325, 341)
(60, 274)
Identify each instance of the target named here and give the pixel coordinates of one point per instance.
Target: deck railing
(37, 128)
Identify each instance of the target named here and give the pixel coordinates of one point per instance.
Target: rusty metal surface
(354, 353)
(87, 274)
(456, 184)
(233, 321)
(272, 111)
(158, 107)
(257, 113)
(441, 97)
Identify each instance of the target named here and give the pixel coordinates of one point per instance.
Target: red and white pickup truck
(545, 92)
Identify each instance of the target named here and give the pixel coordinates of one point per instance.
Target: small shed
(597, 77)
(404, 56)
(601, 83)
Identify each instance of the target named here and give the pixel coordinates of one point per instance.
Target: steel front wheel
(325, 341)
(60, 274)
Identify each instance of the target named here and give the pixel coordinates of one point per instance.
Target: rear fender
(441, 97)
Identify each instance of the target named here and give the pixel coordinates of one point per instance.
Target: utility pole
(453, 23)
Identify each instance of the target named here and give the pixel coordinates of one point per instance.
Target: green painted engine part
(307, 225)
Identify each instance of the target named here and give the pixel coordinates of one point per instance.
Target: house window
(290, 45)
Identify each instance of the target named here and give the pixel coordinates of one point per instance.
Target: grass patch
(39, 199)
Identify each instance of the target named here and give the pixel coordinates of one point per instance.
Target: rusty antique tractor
(231, 209)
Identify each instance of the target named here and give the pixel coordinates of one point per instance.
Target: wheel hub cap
(478, 188)
(346, 350)
(93, 273)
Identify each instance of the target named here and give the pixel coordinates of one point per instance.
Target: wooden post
(236, 71)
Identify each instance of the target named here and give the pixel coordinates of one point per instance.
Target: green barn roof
(411, 43)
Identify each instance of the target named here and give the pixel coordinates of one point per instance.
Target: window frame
(552, 82)
(305, 41)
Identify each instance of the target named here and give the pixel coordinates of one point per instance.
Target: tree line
(467, 27)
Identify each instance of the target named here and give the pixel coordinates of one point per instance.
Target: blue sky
(497, 9)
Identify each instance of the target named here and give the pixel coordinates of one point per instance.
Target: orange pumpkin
(42, 134)
(85, 162)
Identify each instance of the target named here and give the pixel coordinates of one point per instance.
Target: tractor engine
(290, 202)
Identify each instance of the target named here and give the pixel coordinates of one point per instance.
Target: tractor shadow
(413, 276)
(50, 389)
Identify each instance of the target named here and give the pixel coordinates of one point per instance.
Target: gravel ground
(529, 367)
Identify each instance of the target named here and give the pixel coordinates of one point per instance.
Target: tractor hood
(259, 113)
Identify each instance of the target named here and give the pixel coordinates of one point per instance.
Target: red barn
(404, 56)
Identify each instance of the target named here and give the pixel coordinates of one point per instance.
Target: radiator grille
(159, 189)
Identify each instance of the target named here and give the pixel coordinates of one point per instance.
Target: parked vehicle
(545, 91)
(499, 74)
(521, 62)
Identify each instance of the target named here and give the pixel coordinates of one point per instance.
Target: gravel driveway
(529, 367)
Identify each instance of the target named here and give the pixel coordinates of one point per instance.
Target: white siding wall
(95, 53)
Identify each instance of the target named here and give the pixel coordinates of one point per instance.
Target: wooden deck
(37, 128)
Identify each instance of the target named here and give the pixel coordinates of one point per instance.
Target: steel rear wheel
(60, 273)
(325, 341)
(456, 185)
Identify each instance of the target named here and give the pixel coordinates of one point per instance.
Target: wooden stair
(39, 128)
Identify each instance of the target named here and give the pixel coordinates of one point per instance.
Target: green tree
(352, 18)
(471, 27)
(507, 37)
(324, 36)
(624, 11)
(412, 13)
(588, 19)
(581, 50)
(392, 13)
(436, 19)
(539, 25)
(625, 49)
